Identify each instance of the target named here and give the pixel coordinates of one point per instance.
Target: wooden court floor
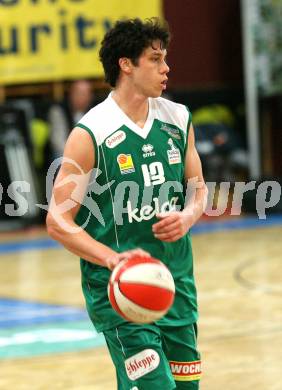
(239, 280)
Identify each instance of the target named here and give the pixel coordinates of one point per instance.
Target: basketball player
(143, 148)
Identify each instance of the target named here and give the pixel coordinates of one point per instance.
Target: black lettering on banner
(82, 24)
(12, 46)
(34, 35)
(10, 42)
(31, 35)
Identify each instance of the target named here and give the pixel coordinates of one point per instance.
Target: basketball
(141, 289)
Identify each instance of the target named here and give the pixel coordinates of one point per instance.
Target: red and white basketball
(141, 289)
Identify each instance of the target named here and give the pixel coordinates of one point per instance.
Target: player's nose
(166, 68)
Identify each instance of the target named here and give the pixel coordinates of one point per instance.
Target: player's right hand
(112, 261)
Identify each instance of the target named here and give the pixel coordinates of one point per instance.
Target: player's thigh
(180, 347)
(137, 354)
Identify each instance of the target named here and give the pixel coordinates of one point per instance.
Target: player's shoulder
(171, 112)
(101, 120)
(96, 115)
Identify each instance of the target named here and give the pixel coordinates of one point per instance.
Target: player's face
(150, 74)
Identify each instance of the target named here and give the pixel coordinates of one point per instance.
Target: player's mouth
(164, 83)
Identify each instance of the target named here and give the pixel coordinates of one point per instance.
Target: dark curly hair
(129, 38)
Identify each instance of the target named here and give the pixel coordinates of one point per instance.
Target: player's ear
(125, 65)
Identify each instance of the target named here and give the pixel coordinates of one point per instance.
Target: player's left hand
(113, 260)
(172, 225)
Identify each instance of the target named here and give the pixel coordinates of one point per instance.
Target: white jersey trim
(107, 117)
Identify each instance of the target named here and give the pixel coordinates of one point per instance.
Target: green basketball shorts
(149, 357)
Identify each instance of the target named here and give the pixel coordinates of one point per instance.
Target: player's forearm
(78, 241)
(197, 204)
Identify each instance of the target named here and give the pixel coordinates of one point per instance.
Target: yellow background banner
(48, 40)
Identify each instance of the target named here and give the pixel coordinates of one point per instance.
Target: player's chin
(156, 93)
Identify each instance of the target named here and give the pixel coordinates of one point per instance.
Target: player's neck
(134, 105)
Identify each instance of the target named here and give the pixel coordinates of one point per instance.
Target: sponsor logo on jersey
(125, 163)
(148, 150)
(141, 364)
(172, 131)
(173, 154)
(115, 139)
(186, 371)
(147, 212)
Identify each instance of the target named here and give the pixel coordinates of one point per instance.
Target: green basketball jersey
(138, 173)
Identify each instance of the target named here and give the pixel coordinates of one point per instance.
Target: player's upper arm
(73, 177)
(79, 148)
(193, 166)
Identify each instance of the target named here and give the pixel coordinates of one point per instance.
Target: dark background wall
(206, 62)
(206, 49)
(205, 55)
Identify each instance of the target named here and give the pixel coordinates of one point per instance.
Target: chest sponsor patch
(172, 131)
(115, 139)
(186, 371)
(125, 163)
(142, 363)
(173, 154)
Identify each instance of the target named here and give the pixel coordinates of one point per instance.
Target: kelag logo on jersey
(125, 163)
(148, 212)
